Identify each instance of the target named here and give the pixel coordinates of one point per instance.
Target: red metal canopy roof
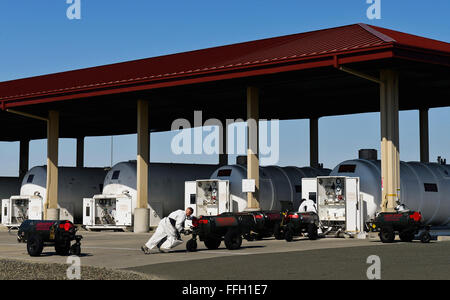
(341, 45)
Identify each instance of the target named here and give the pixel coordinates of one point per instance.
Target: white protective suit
(168, 231)
(307, 206)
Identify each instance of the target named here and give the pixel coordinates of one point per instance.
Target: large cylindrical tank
(166, 184)
(9, 186)
(279, 187)
(74, 184)
(423, 186)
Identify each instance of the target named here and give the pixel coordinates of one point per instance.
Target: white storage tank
(166, 185)
(279, 187)
(424, 187)
(73, 185)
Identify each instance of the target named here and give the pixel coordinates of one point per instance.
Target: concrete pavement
(267, 259)
(122, 250)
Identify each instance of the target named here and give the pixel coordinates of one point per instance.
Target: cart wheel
(289, 236)
(62, 248)
(212, 243)
(387, 235)
(278, 232)
(312, 232)
(191, 245)
(425, 237)
(406, 236)
(35, 245)
(233, 239)
(249, 237)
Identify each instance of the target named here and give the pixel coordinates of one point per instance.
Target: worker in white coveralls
(307, 206)
(167, 235)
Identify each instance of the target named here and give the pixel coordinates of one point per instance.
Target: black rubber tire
(35, 245)
(312, 232)
(289, 235)
(191, 245)
(387, 235)
(278, 232)
(212, 243)
(425, 237)
(406, 236)
(249, 237)
(233, 239)
(62, 248)
(75, 250)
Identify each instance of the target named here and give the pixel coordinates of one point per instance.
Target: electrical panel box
(208, 197)
(107, 212)
(17, 209)
(338, 200)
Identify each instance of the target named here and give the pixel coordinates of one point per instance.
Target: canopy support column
(314, 142)
(51, 210)
(424, 137)
(223, 155)
(142, 212)
(24, 157)
(390, 151)
(252, 146)
(80, 152)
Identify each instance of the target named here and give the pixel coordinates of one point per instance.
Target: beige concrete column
(390, 161)
(80, 152)
(252, 146)
(142, 212)
(51, 211)
(24, 157)
(314, 142)
(424, 138)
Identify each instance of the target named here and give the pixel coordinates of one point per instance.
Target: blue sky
(37, 38)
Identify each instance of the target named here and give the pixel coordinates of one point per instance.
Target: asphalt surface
(266, 259)
(398, 261)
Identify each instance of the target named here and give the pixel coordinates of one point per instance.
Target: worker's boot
(145, 249)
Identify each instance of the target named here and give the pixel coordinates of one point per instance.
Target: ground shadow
(49, 254)
(402, 242)
(301, 239)
(220, 248)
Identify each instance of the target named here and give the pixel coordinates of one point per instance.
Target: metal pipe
(27, 115)
(360, 74)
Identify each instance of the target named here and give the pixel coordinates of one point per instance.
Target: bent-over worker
(167, 235)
